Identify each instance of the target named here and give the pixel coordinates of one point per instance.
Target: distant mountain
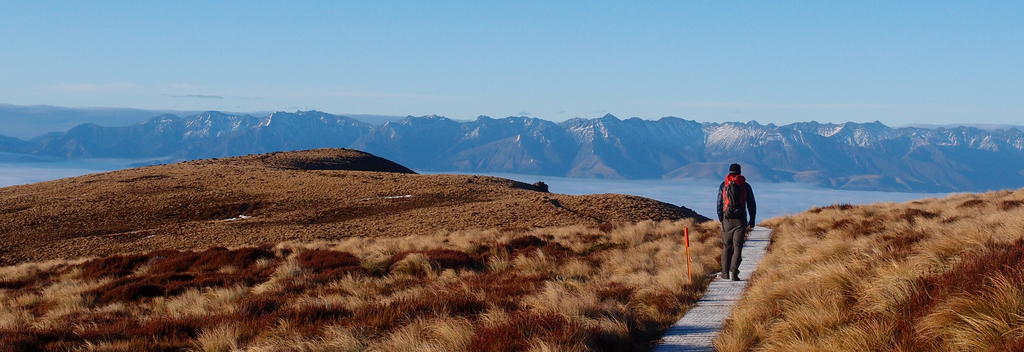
(983, 126)
(855, 156)
(375, 119)
(25, 122)
(10, 144)
(206, 135)
(31, 121)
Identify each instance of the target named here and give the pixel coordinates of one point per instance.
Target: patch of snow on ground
(239, 217)
(389, 197)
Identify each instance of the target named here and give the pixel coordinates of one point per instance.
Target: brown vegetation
(576, 288)
(325, 194)
(934, 275)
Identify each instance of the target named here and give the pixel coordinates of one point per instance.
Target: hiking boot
(724, 276)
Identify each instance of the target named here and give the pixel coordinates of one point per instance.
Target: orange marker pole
(686, 241)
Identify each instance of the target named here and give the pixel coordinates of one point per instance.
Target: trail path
(696, 331)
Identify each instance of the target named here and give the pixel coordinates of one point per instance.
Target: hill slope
(308, 195)
(933, 275)
(324, 258)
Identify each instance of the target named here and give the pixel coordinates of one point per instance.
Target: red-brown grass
(173, 272)
(931, 275)
(516, 333)
(135, 288)
(318, 260)
(577, 288)
(327, 265)
(118, 265)
(840, 207)
(150, 335)
(972, 203)
(15, 284)
(28, 340)
(970, 275)
(503, 290)
(525, 242)
(911, 215)
(210, 260)
(529, 244)
(616, 292)
(385, 317)
(260, 304)
(443, 259)
(1010, 204)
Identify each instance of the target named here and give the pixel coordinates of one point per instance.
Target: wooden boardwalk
(696, 331)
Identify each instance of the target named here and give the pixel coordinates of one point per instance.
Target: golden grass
(574, 288)
(300, 195)
(222, 338)
(933, 275)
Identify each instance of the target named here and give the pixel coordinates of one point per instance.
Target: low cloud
(194, 96)
(186, 86)
(210, 96)
(246, 98)
(783, 106)
(94, 87)
(380, 95)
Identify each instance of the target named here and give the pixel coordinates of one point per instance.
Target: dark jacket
(751, 203)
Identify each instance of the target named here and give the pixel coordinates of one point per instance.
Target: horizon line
(264, 113)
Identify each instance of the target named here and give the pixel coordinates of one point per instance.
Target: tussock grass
(577, 288)
(932, 275)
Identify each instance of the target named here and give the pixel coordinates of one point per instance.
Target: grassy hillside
(336, 250)
(550, 289)
(934, 275)
(325, 194)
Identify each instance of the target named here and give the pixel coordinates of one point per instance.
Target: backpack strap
(725, 194)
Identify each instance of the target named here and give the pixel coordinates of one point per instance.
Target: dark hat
(734, 168)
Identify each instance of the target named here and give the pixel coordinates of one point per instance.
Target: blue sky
(898, 62)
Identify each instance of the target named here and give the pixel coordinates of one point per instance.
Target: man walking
(735, 199)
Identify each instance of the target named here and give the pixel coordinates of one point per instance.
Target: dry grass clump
(574, 288)
(933, 275)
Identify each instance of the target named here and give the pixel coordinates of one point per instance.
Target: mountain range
(852, 156)
(28, 121)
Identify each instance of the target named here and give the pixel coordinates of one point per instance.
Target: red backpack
(734, 197)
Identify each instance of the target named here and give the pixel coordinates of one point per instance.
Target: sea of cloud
(773, 199)
(18, 173)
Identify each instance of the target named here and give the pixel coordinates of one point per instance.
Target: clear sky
(899, 62)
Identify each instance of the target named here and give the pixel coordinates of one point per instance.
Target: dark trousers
(734, 232)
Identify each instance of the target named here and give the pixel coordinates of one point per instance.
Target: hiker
(735, 199)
